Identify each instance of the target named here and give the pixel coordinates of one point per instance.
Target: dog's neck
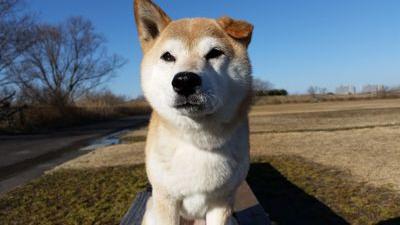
(205, 133)
(208, 132)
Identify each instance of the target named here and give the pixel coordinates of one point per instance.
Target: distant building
(346, 90)
(395, 89)
(373, 89)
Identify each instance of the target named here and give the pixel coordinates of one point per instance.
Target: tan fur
(146, 10)
(154, 29)
(191, 30)
(237, 29)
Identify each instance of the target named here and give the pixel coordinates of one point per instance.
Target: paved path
(24, 157)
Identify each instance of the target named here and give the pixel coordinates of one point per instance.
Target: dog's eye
(214, 53)
(167, 57)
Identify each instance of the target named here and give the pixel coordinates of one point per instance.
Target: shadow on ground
(285, 202)
(395, 221)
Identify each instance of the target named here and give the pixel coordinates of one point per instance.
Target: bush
(102, 98)
(34, 118)
(273, 92)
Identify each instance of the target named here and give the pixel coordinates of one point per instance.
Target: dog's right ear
(150, 21)
(238, 29)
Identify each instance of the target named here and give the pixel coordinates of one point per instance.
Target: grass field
(318, 163)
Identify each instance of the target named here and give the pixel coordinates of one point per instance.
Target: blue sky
(296, 43)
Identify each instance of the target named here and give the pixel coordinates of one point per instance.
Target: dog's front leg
(220, 215)
(162, 210)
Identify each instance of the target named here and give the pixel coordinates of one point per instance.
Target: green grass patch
(355, 202)
(74, 197)
(290, 189)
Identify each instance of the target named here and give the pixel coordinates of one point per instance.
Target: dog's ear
(150, 21)
(237, 29)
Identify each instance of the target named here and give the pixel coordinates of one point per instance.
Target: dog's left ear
(150, 21)
(237, 29)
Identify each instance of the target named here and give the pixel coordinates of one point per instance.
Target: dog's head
(193, 68)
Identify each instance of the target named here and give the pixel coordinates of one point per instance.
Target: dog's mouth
(191, 101)
(190, 110)
(195, 104)
(187, 105)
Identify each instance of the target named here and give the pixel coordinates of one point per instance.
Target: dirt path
(24, 157)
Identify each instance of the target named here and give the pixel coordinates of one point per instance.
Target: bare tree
(16, 35)
(66, 61)
(383, 91)
(312, 90)
(262, 85)
(322, 90)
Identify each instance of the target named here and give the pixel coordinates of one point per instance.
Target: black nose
(185, 83)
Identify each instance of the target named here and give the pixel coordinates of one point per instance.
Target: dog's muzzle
(190, 98)
(187, 86)
(186, 83)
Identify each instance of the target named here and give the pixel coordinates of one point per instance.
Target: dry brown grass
(370, 155)
(130, 152)
(325, 121)
(39, 118)
(261, 100)
(361, 137)
(112, 156)
(262, 110)
(134, 136)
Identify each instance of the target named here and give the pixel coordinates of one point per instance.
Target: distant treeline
(273, 92)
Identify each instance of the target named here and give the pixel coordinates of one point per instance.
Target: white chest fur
(195, 176)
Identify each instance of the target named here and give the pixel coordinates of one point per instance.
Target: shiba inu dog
(196, 75)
